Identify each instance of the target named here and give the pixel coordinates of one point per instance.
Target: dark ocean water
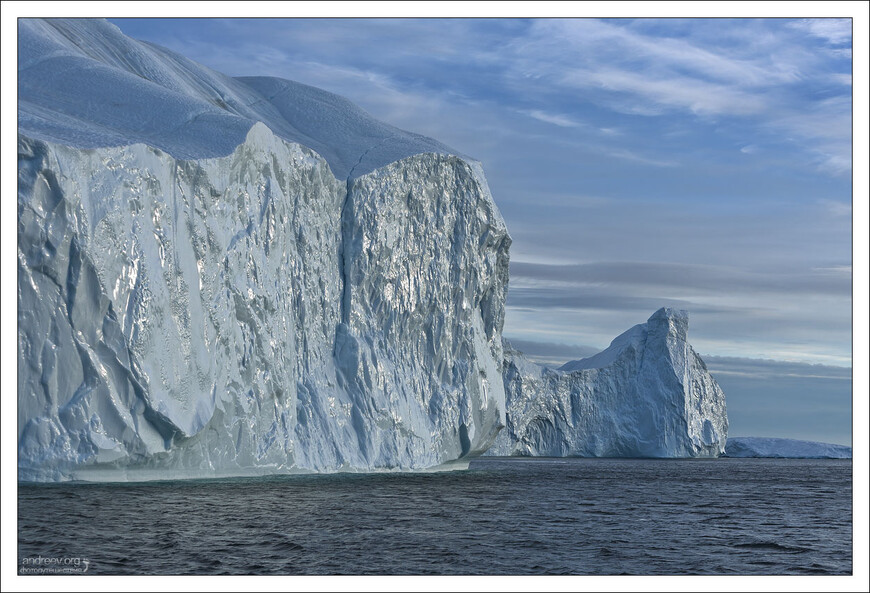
(503, 516)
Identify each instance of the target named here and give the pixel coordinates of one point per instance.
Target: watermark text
(53, 565)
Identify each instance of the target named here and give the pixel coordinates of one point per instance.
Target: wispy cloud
(590, 297)
(762, 74)
(699, 278)
(771, 369)
(628, 155)
(552, 354)
(839, 209)
(698, 96)
(834, 31)
(618, 43)
(827, 126)
(841, 78)
(554, 118)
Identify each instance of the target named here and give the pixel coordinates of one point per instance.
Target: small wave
(813, 569)
(773, 546)
(288, 546)
(714, 518)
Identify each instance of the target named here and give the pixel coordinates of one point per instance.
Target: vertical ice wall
(249, 314)
(426, 264)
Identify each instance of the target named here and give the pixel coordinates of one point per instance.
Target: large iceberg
(224, 276)
(233, 276)
(785, 448)
(647, 395)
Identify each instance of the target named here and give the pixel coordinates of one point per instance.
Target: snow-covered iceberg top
(785, 448)
(647, 395)
(83, 83)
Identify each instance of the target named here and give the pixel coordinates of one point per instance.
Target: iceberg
(222, 277)
(241, 276)
(784, 448)
(647, 395)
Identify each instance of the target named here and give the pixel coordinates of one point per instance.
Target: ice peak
(664, 324)
(259, 132)
(670, 313)
(674, 323)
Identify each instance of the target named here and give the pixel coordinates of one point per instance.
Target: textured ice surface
(647, 395)
(84, 83)
(250, 314)
(243, 310)
(784, 448)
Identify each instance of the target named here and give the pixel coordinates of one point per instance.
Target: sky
(702, 164)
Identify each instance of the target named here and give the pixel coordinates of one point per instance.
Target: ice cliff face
(203, 295)
(647, 395)
(250, 313)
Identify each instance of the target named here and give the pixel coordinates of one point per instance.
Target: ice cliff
(224, 276)
(784, 448)
(647, 395)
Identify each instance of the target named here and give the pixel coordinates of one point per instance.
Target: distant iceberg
(784, 448)
(647, 395)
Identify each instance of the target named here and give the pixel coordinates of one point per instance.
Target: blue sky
(703, 164)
